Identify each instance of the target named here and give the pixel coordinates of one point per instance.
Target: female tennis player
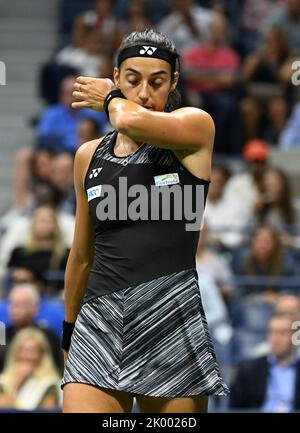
(134, 323)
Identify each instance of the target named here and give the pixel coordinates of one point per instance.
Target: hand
(91, 92)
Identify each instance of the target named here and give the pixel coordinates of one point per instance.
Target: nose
(144, 93)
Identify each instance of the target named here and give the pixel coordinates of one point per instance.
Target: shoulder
(83, 158)
(86, 151)
(252, 365)
(54, 109)
(49, 114)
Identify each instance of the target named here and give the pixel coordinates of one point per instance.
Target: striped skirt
(149, 339)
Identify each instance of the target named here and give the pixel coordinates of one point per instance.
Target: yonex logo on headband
(148, 50)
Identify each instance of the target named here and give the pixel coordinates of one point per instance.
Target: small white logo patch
(148, 50)
(93, 192)
(95, 172)
(166, 179)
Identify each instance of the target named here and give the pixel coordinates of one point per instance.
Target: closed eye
(156, 84)
(133, 83)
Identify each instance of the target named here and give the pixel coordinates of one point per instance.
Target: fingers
(78, 95)
(83, 80)
(81, 104)
(78, 87)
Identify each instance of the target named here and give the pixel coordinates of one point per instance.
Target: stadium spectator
(25, 275)
(218, 210)
(156, 10)
(290, 136)
(43, 250)
(88, 130)
(210, 70)
(288, 304)
(31, 172)
(57, 128)
(216, 314)
(276, 207)
(101, 17)
(19, 227)
(213, 265)
(270, 383)
(135, 18)
(186, 24)
(24, 302)
(265, 258)
(90, 59)
(243, 190)
(31, 167)
(287, 18)
(29, 380)
(61, 179)
(264, 109)
(252, 15)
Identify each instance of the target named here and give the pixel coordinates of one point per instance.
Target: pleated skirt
(149, 339)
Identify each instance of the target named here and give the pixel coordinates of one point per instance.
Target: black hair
(150, 36)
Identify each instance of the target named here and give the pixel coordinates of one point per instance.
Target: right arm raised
(82, 250)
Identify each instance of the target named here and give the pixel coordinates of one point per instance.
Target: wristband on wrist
(111, 95)
(68, 329)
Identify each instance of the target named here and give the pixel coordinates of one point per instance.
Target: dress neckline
(125, 157)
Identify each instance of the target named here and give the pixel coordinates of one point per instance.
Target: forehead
(283, 323)
(146, 66)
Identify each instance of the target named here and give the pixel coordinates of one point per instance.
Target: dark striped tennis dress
(142, 328)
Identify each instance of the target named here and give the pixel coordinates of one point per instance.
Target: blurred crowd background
(237, 63)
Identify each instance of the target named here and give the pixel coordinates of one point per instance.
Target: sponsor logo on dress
(166, 179)
(95, 172)
(148, 50)
(94, 192)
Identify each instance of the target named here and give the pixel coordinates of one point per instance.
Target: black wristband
(68, 329)
(111, 95)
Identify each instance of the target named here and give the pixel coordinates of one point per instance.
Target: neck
(213, 45)
(126, 144)
(45, 244)
(23, 324)
(263, 262)
(284, 359)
